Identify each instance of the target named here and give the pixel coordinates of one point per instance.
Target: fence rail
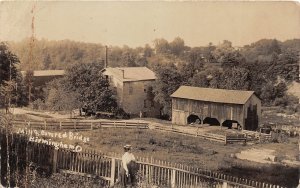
(91, 125)
(290, 129)
(154, 172)
(79, 125)
(208, 136)
(106, 168)
(254, 135)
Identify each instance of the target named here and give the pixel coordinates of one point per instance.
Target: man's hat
(127, 146)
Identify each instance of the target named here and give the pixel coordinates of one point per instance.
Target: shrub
(38, 105)
(152, 141)
(286, 100)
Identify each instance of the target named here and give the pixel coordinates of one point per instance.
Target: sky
(137, 23)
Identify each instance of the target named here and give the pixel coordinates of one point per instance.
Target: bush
(38, 105)
(286, 100)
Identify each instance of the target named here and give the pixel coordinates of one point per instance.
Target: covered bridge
(216, 107)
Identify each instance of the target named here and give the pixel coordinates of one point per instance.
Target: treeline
(266, 66)
(59, 54)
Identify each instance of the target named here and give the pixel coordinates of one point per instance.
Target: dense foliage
(11, 84)
(266, 66)
(83, 85)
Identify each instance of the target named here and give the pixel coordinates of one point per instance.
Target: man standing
(128, 170)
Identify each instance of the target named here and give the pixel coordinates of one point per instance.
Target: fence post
(45, 124)
(60, 125)
(91, 125)
(54, 162)
(225, 139)
(224, 184)
(173, 178)
(112, 172)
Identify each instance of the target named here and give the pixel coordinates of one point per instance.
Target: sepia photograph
(149, 94)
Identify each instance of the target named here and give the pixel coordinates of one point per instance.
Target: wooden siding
(221, 111)
(182, 108)
(254, 100)
(252, 113)
(134, 102)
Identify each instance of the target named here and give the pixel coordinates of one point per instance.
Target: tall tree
(200, 79)
(236, 79)
(91, 86)
(8, 75)
(231, 59)
(177, 46)
(148, 51)
(161, 46)
(8, 62)
(168, 81)
(59, 98)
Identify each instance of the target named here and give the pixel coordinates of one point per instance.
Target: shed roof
(213, 95)
(38, 73)
(131, 73)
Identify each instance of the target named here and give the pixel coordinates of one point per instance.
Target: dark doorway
(211, 121)
(231, 124)
(193, 119)
(251, 123)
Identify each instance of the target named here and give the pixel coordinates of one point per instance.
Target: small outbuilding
(216, 107)
(42, 77)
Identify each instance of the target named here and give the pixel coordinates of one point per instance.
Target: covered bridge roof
(213, 95)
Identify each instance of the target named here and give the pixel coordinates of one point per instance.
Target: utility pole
(9, 99)
(106, 60)
(31, 59)
(16, 94)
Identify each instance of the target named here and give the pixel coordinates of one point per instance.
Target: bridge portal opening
(193, 119)
(211, 121)
(231, 124)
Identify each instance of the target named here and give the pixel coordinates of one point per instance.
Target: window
(130, 89)
(145, 103)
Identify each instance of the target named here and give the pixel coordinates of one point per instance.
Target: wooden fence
(105, 168)
(254, 135)
(290, 129)
(78, 125)
(91, 125)
(207, 136)
(151, 172)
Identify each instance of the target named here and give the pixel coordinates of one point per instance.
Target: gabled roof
(213, 95)
(131, 73)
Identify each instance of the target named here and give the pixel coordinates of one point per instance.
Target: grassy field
(200, 153)
(196, 152)
(279, 116)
